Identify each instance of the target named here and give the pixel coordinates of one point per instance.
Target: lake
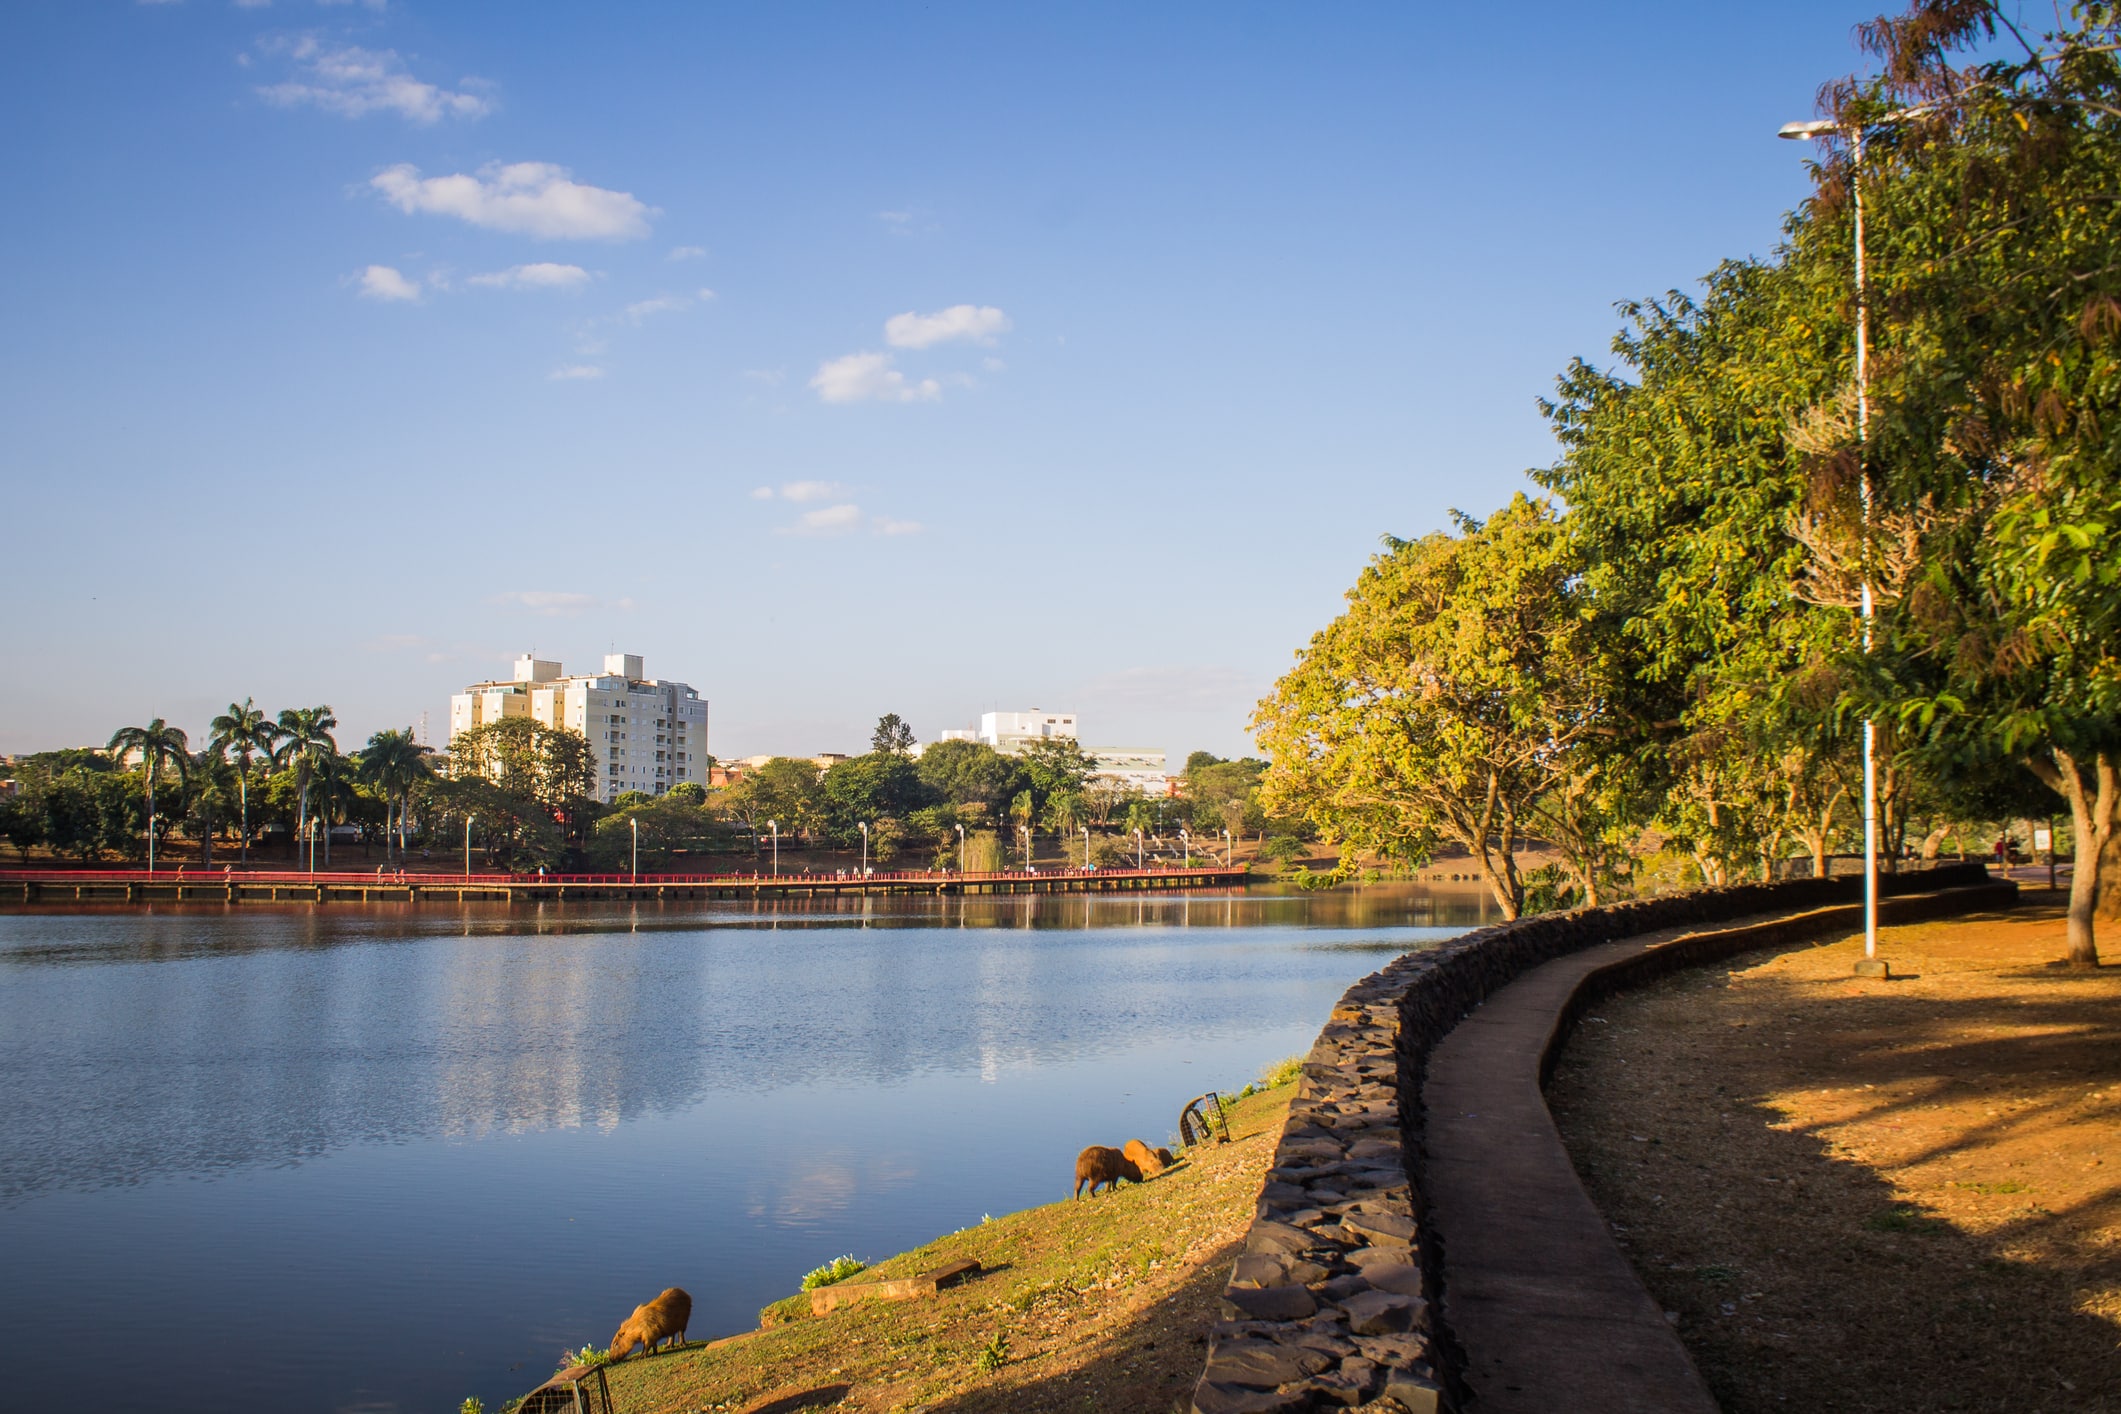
(382, 1158)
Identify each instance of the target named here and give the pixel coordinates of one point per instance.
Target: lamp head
(1805, 132)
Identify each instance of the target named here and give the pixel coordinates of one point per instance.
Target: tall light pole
(961, 850)
(1023, 833)
(1855, 132)
(1186, 840)
(467, 842)
(1086, 849)
(865, 849)
(1137, 847)
(634, 821)
(775, 826)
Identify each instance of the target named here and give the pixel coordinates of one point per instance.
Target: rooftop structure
(645, 734)
(1136, 769)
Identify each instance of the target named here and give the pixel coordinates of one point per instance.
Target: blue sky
(840, 359)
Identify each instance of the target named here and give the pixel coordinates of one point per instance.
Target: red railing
(188, 875)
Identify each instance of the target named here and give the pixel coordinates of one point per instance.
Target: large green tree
(1443, 703)
(243, 733)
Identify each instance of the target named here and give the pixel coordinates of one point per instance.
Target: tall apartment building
(646, 735)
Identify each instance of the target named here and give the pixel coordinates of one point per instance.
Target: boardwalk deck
(47, 886)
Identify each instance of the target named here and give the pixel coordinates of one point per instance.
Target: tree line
(526, 793)
(1666, 652)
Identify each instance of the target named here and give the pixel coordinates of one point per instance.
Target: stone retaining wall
(1334, 1301)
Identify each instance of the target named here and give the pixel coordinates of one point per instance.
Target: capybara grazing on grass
(1099, 1166)
(1150, 1161)
(664, 1318)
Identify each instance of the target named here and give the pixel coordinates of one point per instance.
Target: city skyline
(848, 362)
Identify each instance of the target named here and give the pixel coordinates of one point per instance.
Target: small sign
(2043, 839)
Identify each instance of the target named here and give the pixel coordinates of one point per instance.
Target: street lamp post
(1228, 846)
(467, 843)
(865, 849)
(961, 850)
(1870, 966)
(635, 822)
(1086, 849)
(1137, 847)
(1187, 841)
(1023, 832)
(775, 826)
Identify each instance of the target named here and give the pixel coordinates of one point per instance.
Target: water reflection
(403, 1105)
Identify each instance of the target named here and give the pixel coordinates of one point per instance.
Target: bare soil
(1098, 1304)
(1854, 1195)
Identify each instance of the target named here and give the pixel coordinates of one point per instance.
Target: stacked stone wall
(1335, 1301)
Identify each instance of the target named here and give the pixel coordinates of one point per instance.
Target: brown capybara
(664, 1318)
(1150, 1161)
(1099, 1166)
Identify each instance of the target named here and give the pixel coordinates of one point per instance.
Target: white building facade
(1136, 769)
(645, 734)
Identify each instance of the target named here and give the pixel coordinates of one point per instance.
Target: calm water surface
(377, 1159)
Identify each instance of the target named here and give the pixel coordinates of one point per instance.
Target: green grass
(2008, 1185)
(836, 1270)
(1902, 1218)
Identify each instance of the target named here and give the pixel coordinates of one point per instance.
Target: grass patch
(1901, 1218)
(2009, 1185)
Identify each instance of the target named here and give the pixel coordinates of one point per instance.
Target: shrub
(993, 1355)
(838, 1269)
(1283, 1072)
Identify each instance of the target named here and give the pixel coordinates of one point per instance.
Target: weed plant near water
(838, 1269)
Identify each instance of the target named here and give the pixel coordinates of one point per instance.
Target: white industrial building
(1140, 770)
(646, 735)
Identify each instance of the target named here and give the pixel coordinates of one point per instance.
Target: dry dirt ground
(1871, 1196)
(1102, 1304)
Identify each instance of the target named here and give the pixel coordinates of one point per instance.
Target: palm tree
(159, 746)
(393, 763)
(304, 739)
(208, 805)
(241, 732)
(330, 788)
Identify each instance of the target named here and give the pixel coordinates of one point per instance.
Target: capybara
(1150, 1161)
(1099, 1166)
(664, 1318)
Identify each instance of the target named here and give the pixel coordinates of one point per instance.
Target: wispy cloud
(354, 82)
(843, 518)
(526, 198)
(556, 603)
(978, 324)
(575, 372)
(642, 309)
(869, 377)
(382, 282)
(687, 252)
(539, 275)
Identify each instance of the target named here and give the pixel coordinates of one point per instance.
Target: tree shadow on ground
(1708, 1120)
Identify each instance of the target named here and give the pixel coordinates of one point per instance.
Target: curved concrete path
(1546, 1309)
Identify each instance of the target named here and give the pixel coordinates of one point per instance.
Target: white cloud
(766, 377)
(975, 323)
(574, 372)
(831, 520)
(687, 252)
(383, 283)
(659, 304)
(542, 274)
(992, 365)
(354, 82)
(762, 493)
(528, 198)
(840, 518)
(869, 377)
(704, 293)
(557, 603)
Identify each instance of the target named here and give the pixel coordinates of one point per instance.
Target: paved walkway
(1546, 1308)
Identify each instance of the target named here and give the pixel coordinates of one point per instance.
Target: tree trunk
(243, 789)
(2109, 866)
(2091, 809)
